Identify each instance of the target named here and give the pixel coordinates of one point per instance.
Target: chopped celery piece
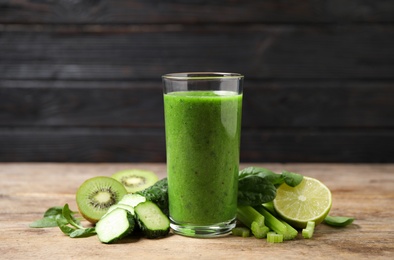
(241, 231)
(276, 224)
(251, 218)
(258, 230)
(273, 237)
(307, 232)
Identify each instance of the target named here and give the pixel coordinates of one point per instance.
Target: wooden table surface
(365, 191)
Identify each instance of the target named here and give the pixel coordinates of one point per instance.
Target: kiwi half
(136, 180)
(96, 195)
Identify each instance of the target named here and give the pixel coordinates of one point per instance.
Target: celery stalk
(270, 207)
(251, 218)
(292, 231)
(259, 231)
(276, 225)
(247, 215)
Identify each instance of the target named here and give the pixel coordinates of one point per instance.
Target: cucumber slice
(152, 221)
(132, 199)
(115, 225)
(130, 209)
(158, 194)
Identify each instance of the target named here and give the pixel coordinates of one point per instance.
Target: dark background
(80, 81)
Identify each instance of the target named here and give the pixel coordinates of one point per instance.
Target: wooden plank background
(80, 81)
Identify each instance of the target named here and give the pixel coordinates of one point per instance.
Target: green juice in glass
(203, 142)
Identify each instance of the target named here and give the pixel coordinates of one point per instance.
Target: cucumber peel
(132, 200)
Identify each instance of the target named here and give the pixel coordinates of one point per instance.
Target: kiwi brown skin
(96, 195)
(136, 180)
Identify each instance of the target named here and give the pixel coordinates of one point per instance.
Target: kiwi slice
(136, 180)
(96, 195)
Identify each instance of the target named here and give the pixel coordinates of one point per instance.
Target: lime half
(309, 201)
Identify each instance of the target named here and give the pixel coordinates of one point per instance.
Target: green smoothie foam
(203, 140)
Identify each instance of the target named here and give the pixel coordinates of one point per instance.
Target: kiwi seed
(96, 195)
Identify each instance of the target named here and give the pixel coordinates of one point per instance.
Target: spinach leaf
(53, 211)
(63, 225)
(49, 218)
(258, 185)
(255, 190)
(337, 221)
(291, 178)
(44, 222)
(261, 172)
(68, 215)
(86, 232)
(70, 226)
(65, 219)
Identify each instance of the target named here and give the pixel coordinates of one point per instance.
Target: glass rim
(202, 76)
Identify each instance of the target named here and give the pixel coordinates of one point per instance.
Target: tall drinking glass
(203, 127)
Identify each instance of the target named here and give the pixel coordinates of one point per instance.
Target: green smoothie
(203, 141)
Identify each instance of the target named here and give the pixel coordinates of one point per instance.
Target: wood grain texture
(148, 145)
(195, 11)
(147, 52)
(80, 80)
(336, 104)
(94, 104)
(27, 190)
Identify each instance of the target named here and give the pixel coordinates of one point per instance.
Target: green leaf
(61, 220)
(338, 221)
(262, 172)
(67, 218)
(49, 219)
(291, 178)
(44, 222)
(85, 232)
(66, 229)
(254, 190)
(248, 171)
(273, 177)
(68, 215)
(53, 211)
(63, 225)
